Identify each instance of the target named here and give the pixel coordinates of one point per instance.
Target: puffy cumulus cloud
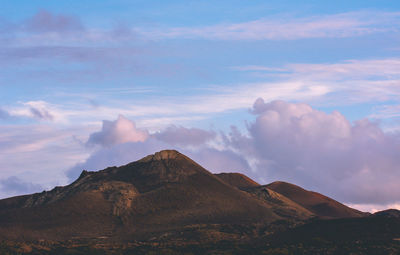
(15, 186)
(184, 136)
(353, 162)
(44, 21)
(119, 131)
(121, 142)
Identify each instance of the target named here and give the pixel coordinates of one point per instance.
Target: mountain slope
(280, 204)
(237, 180)
(317, 203)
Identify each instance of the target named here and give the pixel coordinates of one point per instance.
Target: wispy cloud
(351, 81)
(39, 110)
(46, 28)
(348, 69)
(327, 84)
(166, 110)
(386, 111)
(288, 28)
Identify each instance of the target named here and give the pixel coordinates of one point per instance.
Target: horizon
(302, 93)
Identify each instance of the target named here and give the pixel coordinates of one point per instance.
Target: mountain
(316, 203)
(161, 192)
(166, 203)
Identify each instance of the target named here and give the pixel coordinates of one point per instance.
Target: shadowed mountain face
(316, 203)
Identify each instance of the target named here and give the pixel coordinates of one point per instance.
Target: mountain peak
(162, 155)
(167, 154)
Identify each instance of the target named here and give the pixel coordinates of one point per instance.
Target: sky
(307, 92)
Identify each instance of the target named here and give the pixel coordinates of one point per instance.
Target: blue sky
(196, 68)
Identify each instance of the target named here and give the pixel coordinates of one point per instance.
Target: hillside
(316, 203)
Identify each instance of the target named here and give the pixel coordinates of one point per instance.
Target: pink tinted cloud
(122, 142)
(119, 131)
(353, 162)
